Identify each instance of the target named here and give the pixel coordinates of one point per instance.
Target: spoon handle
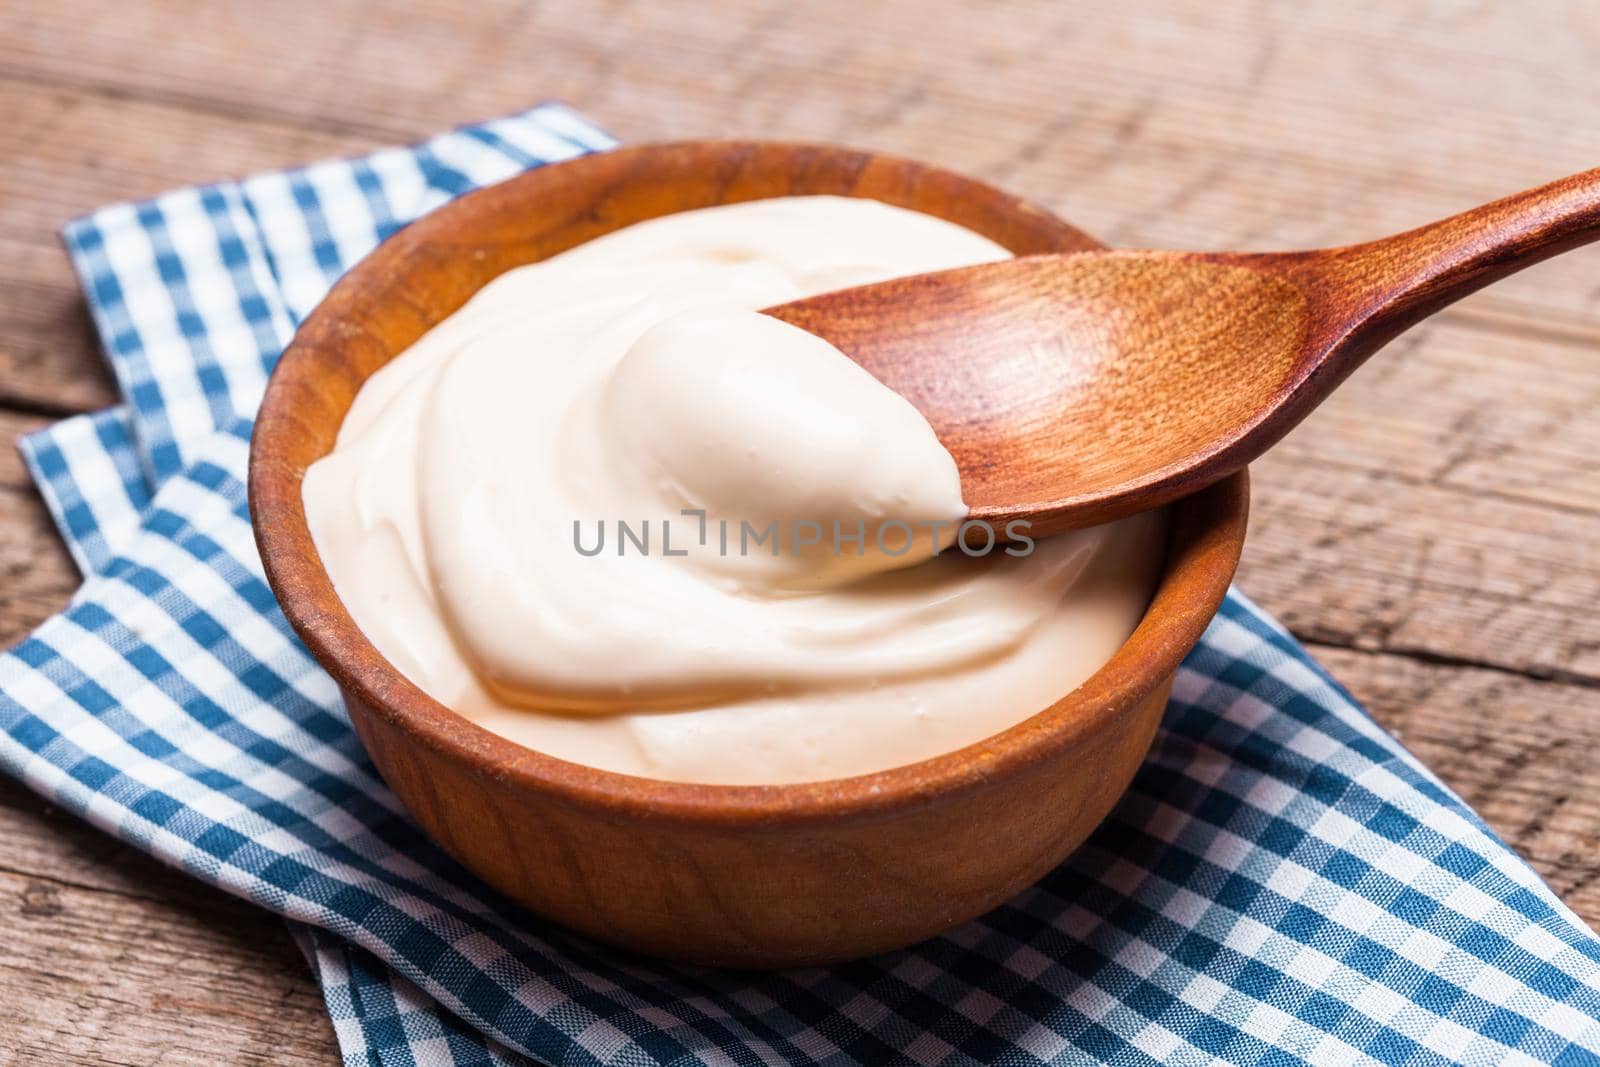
(1372, 292)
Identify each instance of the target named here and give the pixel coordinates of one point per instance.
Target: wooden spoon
(1076, 389)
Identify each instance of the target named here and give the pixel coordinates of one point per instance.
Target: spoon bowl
(1077, 388)
(1054, 382)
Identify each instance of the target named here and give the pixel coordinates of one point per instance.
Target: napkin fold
(1283, 883)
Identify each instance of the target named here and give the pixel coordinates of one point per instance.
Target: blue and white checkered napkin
(1283, 884)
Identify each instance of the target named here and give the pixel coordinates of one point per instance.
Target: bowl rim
(1205, 537)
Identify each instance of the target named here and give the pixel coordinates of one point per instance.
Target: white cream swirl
(630, 381)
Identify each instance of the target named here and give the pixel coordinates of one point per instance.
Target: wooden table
(1432, 533)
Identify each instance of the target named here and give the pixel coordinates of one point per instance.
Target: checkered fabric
(1283, 884)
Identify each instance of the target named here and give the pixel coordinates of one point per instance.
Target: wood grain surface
(1433, 532)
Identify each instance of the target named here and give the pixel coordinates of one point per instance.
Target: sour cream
(611, 512)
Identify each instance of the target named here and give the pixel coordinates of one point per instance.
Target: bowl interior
(428, 270)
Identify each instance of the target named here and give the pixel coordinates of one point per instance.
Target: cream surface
(778, 609)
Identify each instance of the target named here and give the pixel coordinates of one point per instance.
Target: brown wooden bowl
(754, 876)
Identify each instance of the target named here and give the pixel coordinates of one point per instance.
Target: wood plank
(75, 153)
(1445, 504)
(1202, 163)
(49, 354)
(36, 574)
(1519, 751)
(13, 474)
(110, 957)
(1147, 122)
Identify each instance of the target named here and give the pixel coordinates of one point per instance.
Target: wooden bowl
(753, 876)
